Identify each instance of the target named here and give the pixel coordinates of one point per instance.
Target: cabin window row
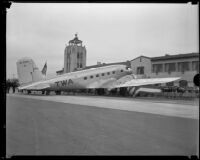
(102, 74)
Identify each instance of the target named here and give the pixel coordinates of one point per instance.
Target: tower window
(102, 74)
(108, 73)
(97, 75)
(122, 70)
(85, 78)
(91, 76)
(113, 72)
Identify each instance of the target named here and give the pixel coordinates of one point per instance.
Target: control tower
(74, 56)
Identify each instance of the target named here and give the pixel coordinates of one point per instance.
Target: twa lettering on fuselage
(64, 83)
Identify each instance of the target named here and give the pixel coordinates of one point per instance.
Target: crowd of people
(11, 83)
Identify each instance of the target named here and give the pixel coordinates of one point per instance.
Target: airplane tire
(47, 92)
(29, 92)
(42, 92)
(58, 92)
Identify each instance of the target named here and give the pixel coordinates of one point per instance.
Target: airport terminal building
(185, 66)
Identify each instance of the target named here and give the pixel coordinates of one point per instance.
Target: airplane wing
(129, 81)
(142, 82)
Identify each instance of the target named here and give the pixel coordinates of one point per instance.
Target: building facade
(185, 66)
(74, 56)
(141, 66)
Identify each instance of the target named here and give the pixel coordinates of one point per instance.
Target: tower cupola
(75, 41)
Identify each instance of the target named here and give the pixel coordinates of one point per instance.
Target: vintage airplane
(110, 77)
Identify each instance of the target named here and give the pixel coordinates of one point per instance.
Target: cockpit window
(122, 70)
(85, 78)
(91, 76)
(102, 74)
(97, 75)
(113, 72)
(108, 73)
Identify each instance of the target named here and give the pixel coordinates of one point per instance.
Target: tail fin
(27, 71)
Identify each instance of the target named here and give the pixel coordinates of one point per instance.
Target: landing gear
(100, 91)
(42, 92)
(29, 92)
(47, 92)
(58, 92)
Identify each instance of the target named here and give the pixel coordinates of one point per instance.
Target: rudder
(27, 71)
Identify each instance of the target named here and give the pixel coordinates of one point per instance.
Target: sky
(110, 32)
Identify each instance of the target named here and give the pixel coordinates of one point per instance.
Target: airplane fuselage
(109, 77)
(90, 78)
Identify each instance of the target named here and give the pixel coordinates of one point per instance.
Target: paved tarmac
(75, 125)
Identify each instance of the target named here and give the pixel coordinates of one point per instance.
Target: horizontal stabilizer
(35, 86)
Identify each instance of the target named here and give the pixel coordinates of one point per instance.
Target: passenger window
(91, 76)
(97, 75)
(108, 73)
(122, 70)
(102, 74)
(113, 72)
(85, 78)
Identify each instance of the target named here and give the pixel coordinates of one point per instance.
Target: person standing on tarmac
(14, 84)
(8, 85)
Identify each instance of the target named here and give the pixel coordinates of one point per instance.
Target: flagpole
(46, 71)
